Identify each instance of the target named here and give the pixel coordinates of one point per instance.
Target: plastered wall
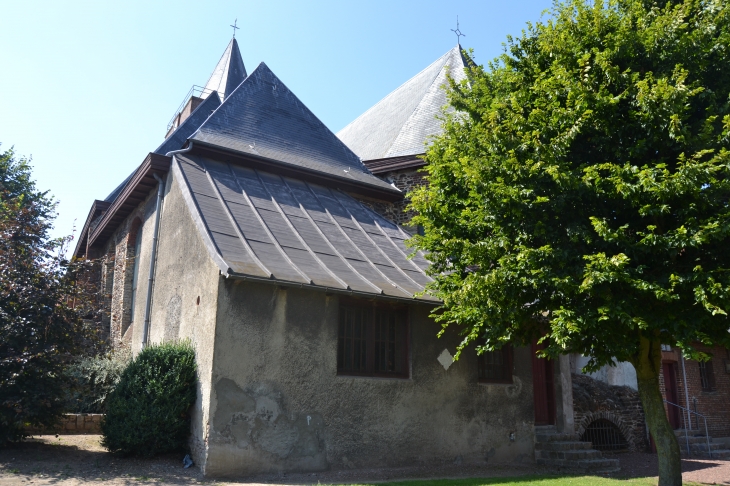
(277, 403)
(184, 299)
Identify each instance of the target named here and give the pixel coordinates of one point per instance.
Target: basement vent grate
(605, 436)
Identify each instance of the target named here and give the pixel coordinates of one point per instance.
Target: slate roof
(260, 225)
(228, 73)
(264, 119)
(401, 123)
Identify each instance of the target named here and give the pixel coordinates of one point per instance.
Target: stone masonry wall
(620, 405)
(406, 180)
(73, 424)
(118, 275)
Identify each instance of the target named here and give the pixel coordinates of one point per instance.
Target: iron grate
(605, 436)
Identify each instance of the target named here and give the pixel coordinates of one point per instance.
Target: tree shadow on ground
(56, 459)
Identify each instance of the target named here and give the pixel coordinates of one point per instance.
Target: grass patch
(529, 481)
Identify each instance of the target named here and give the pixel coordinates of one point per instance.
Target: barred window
(707, 376)
(496, 366)
(372, 341)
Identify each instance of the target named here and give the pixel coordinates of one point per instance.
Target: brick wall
(714, 405)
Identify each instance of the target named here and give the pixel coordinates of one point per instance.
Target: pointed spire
(228, 73)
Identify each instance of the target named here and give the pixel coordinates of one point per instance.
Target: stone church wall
(278, 403)
(117, 280)
(406, 180)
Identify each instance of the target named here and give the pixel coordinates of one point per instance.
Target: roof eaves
(333, 290)
(97, 207)
(140, 183)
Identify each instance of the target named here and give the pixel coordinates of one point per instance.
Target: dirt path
(80, 460)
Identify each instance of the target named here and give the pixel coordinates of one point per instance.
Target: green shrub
(92, 380)
(147, 413)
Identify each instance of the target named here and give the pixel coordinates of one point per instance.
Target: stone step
(563, 445)
(702, 447)
(569, 455)
(542, 438)
(716, 454)
(692, 440)
(691, 433)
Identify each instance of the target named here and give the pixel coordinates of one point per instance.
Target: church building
(279, 250)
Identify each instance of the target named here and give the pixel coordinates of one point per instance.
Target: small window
(372, 341)
(666, 347)
(707, 376)
(496, 366)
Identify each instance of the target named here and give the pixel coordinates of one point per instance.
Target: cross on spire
(236, 28)
(457, 31)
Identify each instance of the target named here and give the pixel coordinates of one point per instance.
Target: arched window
(136, 233)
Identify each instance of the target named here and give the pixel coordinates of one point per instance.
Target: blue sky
(87, 88)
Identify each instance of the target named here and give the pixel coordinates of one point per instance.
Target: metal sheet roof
(260, 225)
(263, 118)
(401, 123)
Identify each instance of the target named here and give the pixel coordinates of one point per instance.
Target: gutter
(329, 290)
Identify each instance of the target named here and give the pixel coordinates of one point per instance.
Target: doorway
(544, 388)
(669, 370)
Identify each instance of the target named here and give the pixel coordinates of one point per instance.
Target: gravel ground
(80, 460)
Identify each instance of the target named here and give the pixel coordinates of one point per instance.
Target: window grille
(372, 341)
(707, 376)
(605, 436)
(496, 366)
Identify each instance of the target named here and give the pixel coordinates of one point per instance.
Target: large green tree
(41, 305)
(580, 191)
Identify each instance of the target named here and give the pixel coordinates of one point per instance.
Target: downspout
(686, 392)
(153, 255)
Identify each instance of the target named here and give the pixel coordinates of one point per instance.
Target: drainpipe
(686, 391)
(153, 255)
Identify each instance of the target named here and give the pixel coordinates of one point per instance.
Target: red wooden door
(670, 387)
(544, 388)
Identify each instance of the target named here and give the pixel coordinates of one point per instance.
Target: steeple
(228, 73)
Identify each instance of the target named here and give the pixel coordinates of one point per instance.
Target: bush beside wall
(147, 413)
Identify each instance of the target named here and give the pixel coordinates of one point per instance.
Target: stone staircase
(566, 451)
(698, 445)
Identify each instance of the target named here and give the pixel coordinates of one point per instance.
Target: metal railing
(687, 422)
(196, 90)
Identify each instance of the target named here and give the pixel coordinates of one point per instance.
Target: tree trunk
(647, 364)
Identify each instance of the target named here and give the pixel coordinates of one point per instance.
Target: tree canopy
(41, 327)
(579, 193)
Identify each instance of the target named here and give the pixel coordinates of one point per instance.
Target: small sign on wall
(727, 366)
